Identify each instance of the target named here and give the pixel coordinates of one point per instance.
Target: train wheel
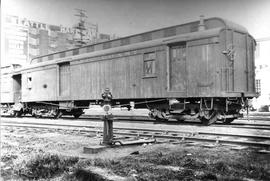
(77, 115)
(18, 113)
(58, 114)
(38, 116)
(180, 120)
(161, 119)
(13, 114)
(158, 115)
(209, 117)
(228, 120)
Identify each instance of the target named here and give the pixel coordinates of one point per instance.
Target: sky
(127, 17)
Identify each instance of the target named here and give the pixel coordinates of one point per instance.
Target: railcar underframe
(208, 110)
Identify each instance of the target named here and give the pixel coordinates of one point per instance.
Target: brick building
(25, 39)
(262, 63)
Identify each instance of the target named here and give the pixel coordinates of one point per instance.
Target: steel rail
(237, 142)
(192, 136)
(145, 130)
(149, 120)
(145, 119)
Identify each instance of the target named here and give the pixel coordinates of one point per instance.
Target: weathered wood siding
(64, 80)
(237, 67)
(148, 70)
(42, 86)
(178, 68)
(201, 67)
(240, 62)
(243, 64)
(251, 64)
(124, 76)
(237, 70)
(7, 94)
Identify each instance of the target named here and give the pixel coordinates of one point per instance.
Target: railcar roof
(143, 37)
(120, 49)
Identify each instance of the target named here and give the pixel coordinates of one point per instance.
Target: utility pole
(81, 27)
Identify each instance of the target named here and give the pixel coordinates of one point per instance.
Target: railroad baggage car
(203, 69)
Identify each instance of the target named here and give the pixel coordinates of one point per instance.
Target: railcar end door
(201, 69)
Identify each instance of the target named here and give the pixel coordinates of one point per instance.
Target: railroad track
(179, 136)
(141, 119)
(144, 119)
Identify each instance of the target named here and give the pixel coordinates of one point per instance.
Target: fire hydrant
(107, 117)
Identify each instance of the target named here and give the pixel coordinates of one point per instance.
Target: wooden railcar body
(7, 94)
(211, 58)
(10, 86)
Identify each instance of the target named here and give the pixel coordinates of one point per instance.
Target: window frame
(149, 59)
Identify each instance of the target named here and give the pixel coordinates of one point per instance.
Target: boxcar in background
(202, 69)
(10, 90)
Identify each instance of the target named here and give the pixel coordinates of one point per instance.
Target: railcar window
(107, 45)
(146, 37)
(170, 32)
(29, 82)
(90, 49)
(177, 67)
(149, 64)
(62, 54)
(125, 41)
(178, 53)
(50, 57)
(75, 52)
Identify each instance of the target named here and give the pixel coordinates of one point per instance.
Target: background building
(25, 39)
(262, 63)
(15, 47)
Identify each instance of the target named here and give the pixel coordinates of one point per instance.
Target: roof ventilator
(201, 25)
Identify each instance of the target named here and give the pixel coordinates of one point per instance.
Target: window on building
(149, 64)
(44, 26)
(258, 86)
(34, 51)
(33, 31)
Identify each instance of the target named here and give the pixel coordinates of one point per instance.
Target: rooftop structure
(25, 39)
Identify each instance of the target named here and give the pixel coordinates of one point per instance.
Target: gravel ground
(53, 154)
